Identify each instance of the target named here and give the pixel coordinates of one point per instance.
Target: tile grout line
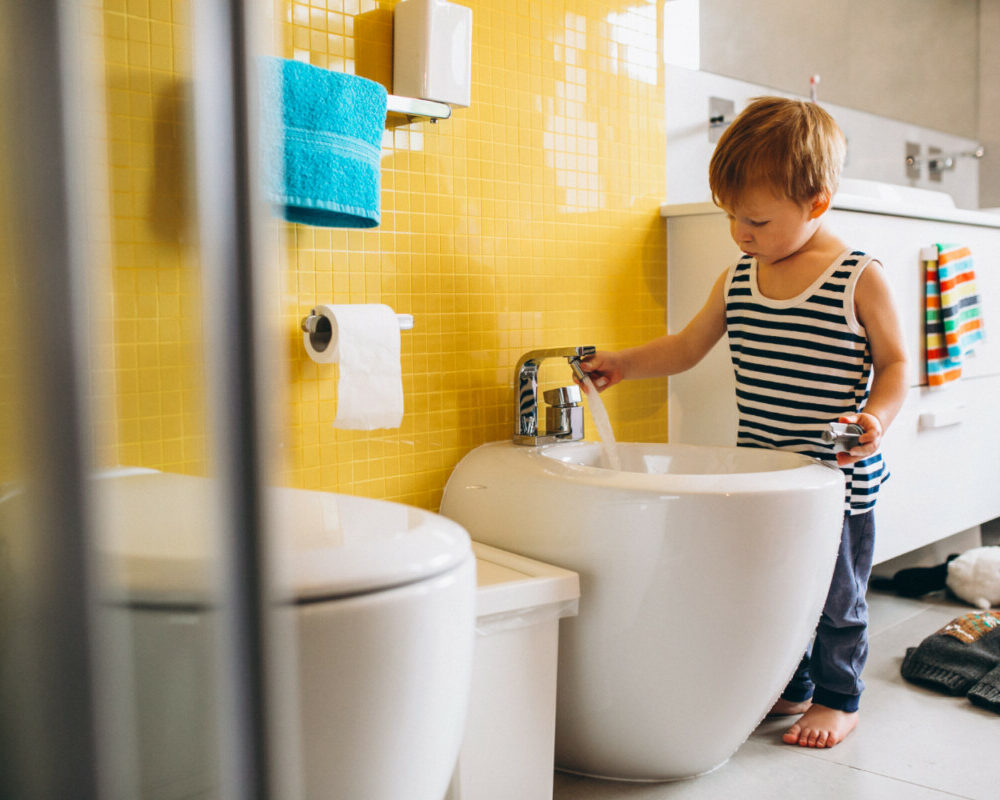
(924, 608)
(895, 778)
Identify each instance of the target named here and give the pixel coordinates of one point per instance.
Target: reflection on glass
(111, 609)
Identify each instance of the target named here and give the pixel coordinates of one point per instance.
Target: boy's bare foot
(821, 727)
(788, 708)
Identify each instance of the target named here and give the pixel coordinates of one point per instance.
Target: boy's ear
(820, 204)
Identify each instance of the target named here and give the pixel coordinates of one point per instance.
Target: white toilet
(381, 599)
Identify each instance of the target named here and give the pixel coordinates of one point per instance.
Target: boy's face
(770, 227)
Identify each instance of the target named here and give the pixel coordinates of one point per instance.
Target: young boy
(815, 338)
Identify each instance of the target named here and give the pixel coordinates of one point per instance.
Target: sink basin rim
(802, 472)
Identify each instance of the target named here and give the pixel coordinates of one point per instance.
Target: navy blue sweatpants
(831, 673)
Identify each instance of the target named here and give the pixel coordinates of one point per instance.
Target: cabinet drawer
(943, 453)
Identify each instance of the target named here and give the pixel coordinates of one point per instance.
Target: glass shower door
(138, 628)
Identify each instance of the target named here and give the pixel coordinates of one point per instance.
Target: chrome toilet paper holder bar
(321, 331)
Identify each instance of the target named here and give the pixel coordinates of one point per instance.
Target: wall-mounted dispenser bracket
(414, 107)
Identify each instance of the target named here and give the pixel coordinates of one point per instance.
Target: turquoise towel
(322, 152)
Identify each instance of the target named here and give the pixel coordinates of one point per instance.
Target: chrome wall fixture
(938, 162)
(721, 112)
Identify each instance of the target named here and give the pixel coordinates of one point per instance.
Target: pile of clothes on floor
(963, 658)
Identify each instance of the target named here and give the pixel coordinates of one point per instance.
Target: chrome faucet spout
(568, 421)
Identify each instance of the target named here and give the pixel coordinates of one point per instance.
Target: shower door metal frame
(47, 687)
(228, 208)
(49, 744)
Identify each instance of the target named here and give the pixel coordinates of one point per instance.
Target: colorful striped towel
(954, 324)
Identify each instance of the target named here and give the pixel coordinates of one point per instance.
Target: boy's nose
(742, 234)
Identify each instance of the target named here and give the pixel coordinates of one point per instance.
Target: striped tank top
(800, 364)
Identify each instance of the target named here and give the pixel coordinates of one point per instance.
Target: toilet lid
(155, 541)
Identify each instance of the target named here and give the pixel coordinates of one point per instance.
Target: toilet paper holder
(321, 331)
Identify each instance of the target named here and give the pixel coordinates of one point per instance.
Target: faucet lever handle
(563, 396)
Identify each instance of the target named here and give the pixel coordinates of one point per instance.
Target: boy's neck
(792, 275)
(821, 247)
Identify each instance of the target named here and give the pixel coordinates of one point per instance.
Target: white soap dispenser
(432, 51)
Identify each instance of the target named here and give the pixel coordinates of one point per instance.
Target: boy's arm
(668, 354)
(877, 312)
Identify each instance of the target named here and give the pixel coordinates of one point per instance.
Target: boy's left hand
(868, 442)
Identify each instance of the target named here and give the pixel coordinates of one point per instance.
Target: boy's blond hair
(793, 147)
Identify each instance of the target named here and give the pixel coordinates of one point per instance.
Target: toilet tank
(942, 448)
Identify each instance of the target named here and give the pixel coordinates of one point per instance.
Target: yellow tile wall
(156, 356)
(528, 220)
(19, 330)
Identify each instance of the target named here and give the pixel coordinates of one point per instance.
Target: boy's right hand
(605, 369)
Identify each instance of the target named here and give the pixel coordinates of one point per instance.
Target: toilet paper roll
(364, 341)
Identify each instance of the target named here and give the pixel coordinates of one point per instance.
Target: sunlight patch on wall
(632, 42)
(570, 140)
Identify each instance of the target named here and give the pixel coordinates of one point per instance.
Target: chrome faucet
(564, 414)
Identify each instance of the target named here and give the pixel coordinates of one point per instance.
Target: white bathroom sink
(895, 193)
(698, 468)
(703, 571)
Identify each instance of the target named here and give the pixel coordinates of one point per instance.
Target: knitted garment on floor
(963, 658)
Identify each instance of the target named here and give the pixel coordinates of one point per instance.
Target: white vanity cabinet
(943, 450)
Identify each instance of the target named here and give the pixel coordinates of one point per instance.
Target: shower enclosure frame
(50, 682)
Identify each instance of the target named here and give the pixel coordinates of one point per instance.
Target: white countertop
(875, 198)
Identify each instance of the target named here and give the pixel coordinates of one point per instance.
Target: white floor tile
(756, 771)
(886, 611)
(909, 731)
(910, 742)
